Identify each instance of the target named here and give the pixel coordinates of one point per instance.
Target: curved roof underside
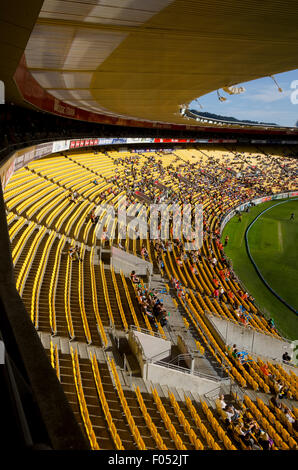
(142, 59)
(17, 19)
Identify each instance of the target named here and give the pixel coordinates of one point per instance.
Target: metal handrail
(145, 331)
(189, 372)
(154, 359)
(212, 393)
(126, 365)
(181, 357)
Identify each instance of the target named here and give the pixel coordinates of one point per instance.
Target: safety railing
(195, 373)
(146, 332)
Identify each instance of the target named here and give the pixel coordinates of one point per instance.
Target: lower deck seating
(53, 207)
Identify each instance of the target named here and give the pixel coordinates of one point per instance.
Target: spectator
(271, 324)
(288, 415)
(221, 401)
(286, 357)
(74, 253)
(72, 198)
(265, 369)
(134, 277)
(273, 403)
(215, 293)
(221, 294)
(214, 261)
(232, 414)
(264, 440)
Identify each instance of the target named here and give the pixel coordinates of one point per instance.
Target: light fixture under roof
(221, 98)
(278, 87)
(234, 90)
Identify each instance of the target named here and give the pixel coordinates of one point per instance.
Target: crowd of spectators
(224, 192)
(151, 305)
(135, 174)
(276, 384)
(242, 427)
(288, 415)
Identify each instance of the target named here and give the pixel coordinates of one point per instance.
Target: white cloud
(268, 95)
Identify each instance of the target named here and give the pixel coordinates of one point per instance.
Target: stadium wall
(249, 339)
(162, 375)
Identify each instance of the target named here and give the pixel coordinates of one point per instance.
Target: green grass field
(273, 242)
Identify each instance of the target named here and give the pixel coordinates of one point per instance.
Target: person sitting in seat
(281, 389)
(77, 253)
(236, 429)
(216, 293)
(243, 319)
(221, 402)
(273, 403)
(288, 414)
(134, 277)
(92, 215)
(144, 253)
(164, 320)
(271, 324)
(235, 352)
(232, 414)
(74, 253)
(249, 442)
(71, 197)
(265, 369)
(286, 357)
(221, 293)
(264, 440)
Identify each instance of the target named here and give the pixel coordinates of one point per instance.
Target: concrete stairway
(64, 345)
(176, 327)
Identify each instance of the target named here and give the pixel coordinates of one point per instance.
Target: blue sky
(260, 102)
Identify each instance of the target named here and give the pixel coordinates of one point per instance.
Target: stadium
(148, 280)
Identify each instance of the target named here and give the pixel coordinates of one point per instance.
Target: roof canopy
(142, 59)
